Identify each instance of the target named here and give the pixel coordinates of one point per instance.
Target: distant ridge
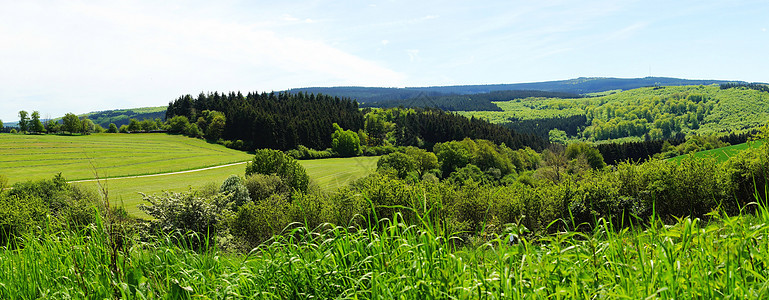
(582, 85)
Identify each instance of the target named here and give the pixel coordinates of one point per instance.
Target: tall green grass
(725, 258)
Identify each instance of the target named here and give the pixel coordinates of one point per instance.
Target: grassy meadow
(329, 174)
(30, 157)
(723, 153)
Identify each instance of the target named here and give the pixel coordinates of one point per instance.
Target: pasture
(329, 174)
(113, 156)
(31, 157)
(721, 154)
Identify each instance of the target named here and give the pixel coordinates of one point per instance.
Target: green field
(32, 157)
(329, 174)
(28, 157)
(332, 173)
(721, 154)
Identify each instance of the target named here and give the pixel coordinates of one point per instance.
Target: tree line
(287, 121)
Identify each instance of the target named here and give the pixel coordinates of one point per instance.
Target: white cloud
(80, 58)
(289, 18)
(385, 42)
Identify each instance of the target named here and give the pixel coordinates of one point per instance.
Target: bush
(19, 216)
(177, 124)
(262, 186)
(33, 205)
(183, 213)
(235, 187)
(400, 163)
(274, 162)
(302, 152)
(256, 222)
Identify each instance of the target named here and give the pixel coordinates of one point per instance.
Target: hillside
(582, 85)
(643, 113)
(122, 116)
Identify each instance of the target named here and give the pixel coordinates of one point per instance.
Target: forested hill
(582, 85)
(286, 120)
(471, 102)
(123, 116)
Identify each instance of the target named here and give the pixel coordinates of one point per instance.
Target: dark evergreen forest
(286, 120)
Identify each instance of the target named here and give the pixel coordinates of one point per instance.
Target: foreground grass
(329, 174)
(30, 157)
(727, 258)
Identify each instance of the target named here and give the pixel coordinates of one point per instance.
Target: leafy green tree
(87, 126)
(451, 155)
(269, 161)
(401, 163)
(557, 136)
(1, 124)
(23, 121)
(345, 142)
(192, 130)
(71, 123)
(112, 128)
(148, 125)
(134, 125)
(35, 124)
(591, 154)
(425, 161)
(178, 124)
(216, 122)
(52, 126)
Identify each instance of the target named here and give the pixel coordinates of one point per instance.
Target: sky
(81, 56)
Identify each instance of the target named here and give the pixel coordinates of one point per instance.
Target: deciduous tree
(23, 121)
(71, 123)
(36, 125)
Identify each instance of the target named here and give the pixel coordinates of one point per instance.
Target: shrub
(187, 212)
(257, 221)
(590, 154)
(235, 187)
(51, 203)
(112, 128)
(262, 186)
(177, 124)
(302, 152)
(401, 163)
(269, 162)
(19, 216)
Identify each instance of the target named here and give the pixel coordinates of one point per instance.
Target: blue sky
(81, 56)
